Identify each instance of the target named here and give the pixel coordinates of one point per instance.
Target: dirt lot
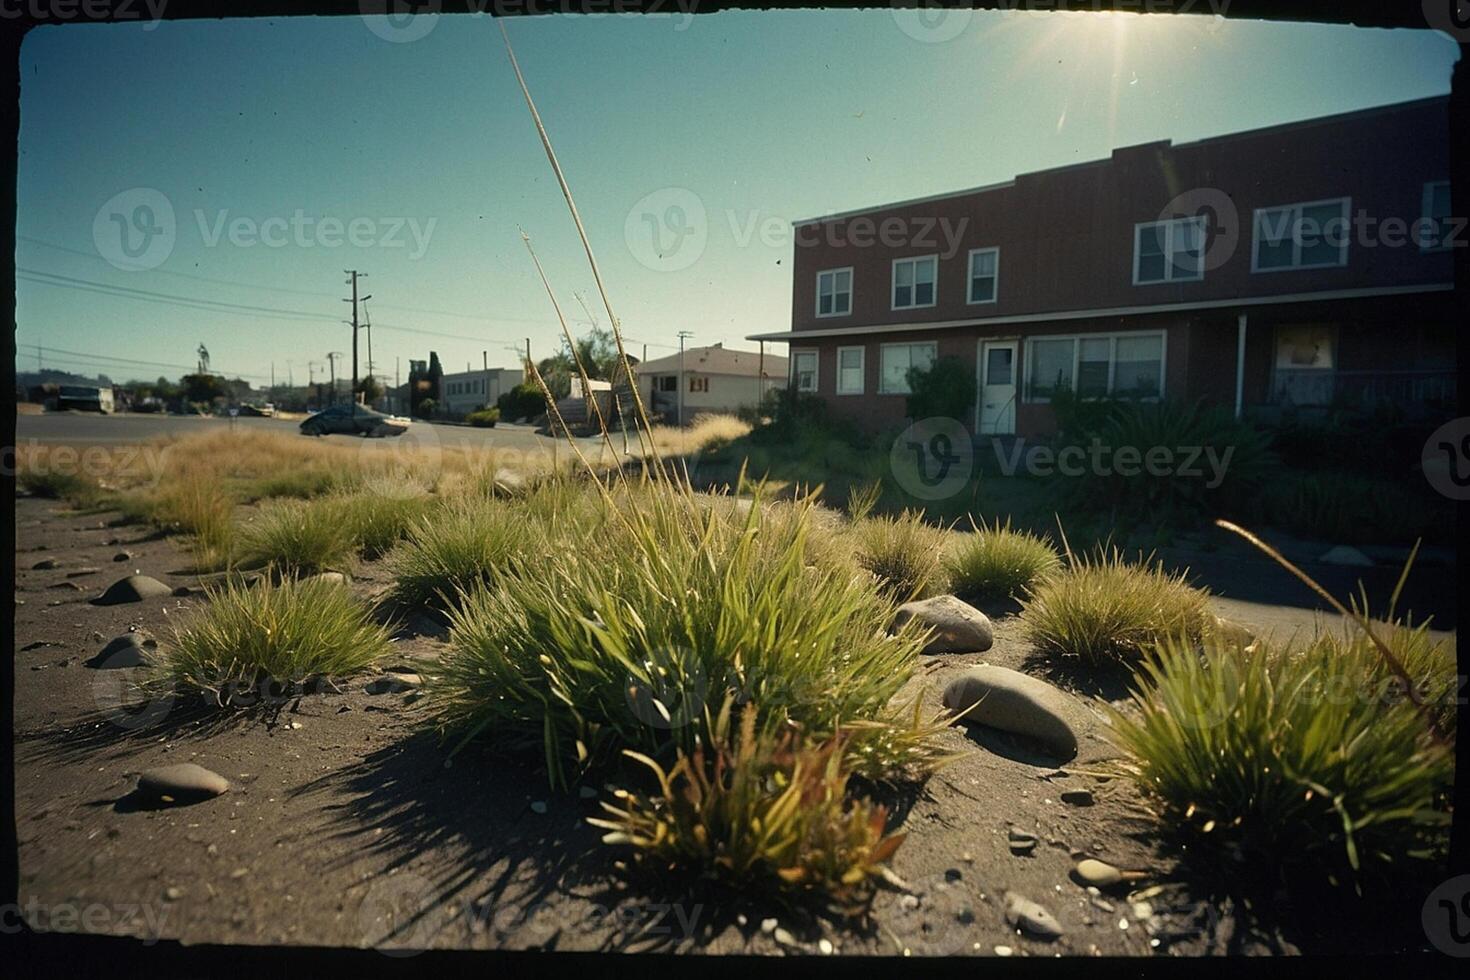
(348, 823)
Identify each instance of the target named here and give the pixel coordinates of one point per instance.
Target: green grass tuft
(287, 634)
(1104, 609)
(999, 563)
(466, 542)
(296, 538)
(904, 553)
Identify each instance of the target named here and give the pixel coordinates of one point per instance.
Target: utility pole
(397, 383)
(368, 322)
(683, 334)
(332, 361)
(354, 274)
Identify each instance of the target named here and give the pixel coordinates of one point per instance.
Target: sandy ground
(348, 823)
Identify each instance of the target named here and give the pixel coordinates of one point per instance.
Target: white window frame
(862, 353)
(882, 390)
(970, 299)
(1171, 271)
(816, 369)
(893, 282)
(1425, 201)
(1346, 204)
(817, 299)
(1112, 336)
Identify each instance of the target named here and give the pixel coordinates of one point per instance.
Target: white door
(997, 387)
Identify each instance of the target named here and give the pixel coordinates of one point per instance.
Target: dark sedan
(361, 421)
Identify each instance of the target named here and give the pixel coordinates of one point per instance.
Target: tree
(371, 390)
(202, 387)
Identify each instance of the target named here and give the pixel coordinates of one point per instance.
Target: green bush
(286, 634)
(946, 390)
(904, 553)
(1276, 759)
(1105, 610)
(485, 418)
(1350, 508)
(378, 517)
(998, 563)
(645, 623)
(522, 402)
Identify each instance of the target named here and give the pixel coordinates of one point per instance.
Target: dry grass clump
(189, 502)
(1105, 610)
(296, 538)
(379, 514)
(706, 433)
(286, 634)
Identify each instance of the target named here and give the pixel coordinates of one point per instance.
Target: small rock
(958, 626)
(741, 920)
(68, 585)
(1021, 841)
(784, 938)
(45, 565)
(538, 806)
(181, 783)
(1233, 634)
(1030, 917)
(768, 926)
(909, 902)
(173, 893)
(127, 650)
(122, 556)
(1003, 951)
(825, 945)
(1014, 702)
(336, 577)
(1142, 910)
(1346, 555)
(89, 570)
(134, 588)
(1077, 797)
(393, 684)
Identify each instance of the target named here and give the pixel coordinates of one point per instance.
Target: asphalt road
(86, 428)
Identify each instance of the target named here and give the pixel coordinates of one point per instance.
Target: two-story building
(1304, 264)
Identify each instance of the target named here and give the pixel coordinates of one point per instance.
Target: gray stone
(128, 650)
(958, 626)
(1077, 797)
(134, 588)
(1015, 702)
(1344, 554)
(183, 782)
(45, 565)
(393, 684)
(1030, 917)
(336, 577)
(122, 556)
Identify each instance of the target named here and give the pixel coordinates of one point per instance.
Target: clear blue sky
(759, 118)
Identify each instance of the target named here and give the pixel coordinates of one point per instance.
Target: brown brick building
(1304, 264)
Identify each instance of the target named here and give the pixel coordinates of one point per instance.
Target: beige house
(712, 380)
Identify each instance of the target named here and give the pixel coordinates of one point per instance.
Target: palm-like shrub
(904, 553)
(285, 634)
(998, 562)
(645, 624)
(1285, 756)
(1103, 609)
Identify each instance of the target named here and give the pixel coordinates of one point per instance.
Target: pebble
(181, 783)
(1003, 951)
(127, 650)
(784, 938)
(89, 570)
(45, 565)
(538, 806)
(393, 684)
(1078, 797)
(1022, 842)
(1030, 917)
(122, 556)
(741, 920)
(173, 893)
(134, 588)
(909, 902)
(768, 926)
(825, 945)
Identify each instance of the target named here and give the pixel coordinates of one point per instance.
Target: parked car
(363, 422)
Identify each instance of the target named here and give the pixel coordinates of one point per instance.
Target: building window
(834, 292)
(914, 282)
(667, 383)
(804, 370)
(1169, 251)
(699, 384)
(1303, 372)
(1300, 236)
(1435, 228)
(897, 359)
(984, 274)
(849, 370)
(1096, 366)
